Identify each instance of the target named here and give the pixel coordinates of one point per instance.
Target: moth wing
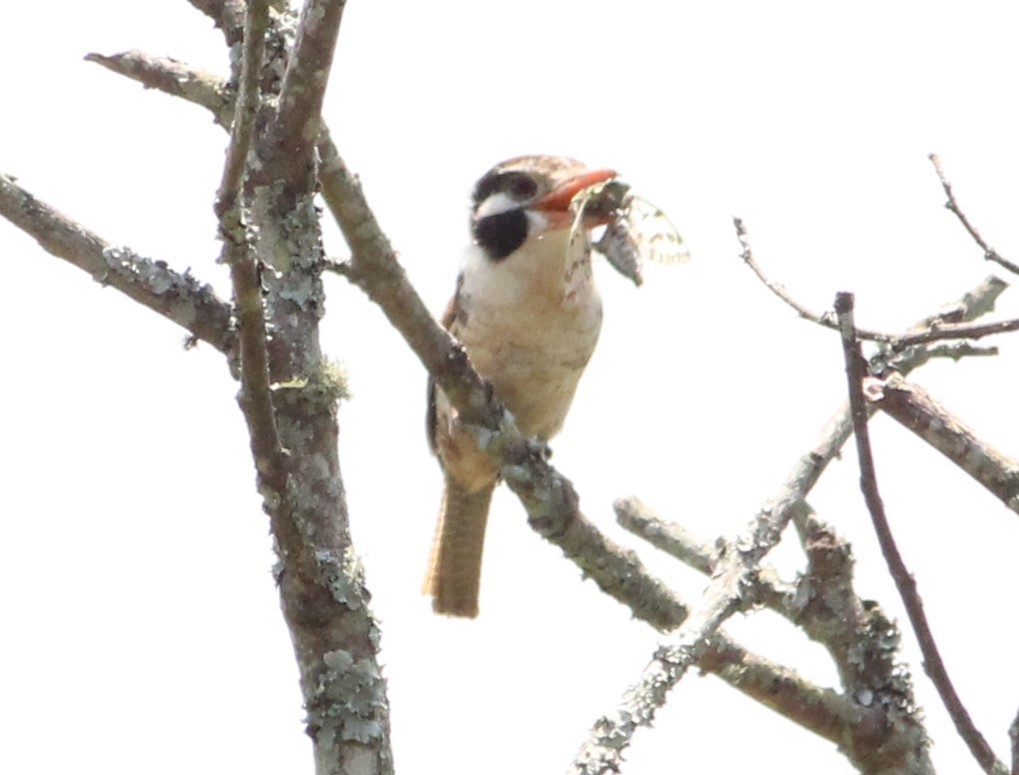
(652, 232)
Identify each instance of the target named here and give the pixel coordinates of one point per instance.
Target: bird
(528, 314)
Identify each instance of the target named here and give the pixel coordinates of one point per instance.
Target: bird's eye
(522, 187)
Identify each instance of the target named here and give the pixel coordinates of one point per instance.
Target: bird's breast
(530, 325)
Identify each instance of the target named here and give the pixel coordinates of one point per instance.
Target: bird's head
(527, 197)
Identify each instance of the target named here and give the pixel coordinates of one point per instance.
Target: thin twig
(914, 408)
(990, 254)
(937, 332)
(904, 582)
(175, 296)
(826, 319)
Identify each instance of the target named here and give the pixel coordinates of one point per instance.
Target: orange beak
(556, 203)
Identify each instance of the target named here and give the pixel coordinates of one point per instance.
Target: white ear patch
(499, 202)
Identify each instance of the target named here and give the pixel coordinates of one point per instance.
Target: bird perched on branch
(528, 314)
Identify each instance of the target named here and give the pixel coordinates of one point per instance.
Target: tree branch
(676, 541)
(303, 90)
(174, 78)
(990, 254)
(670, 537)
(289, 393)
(733, 578)
(938, 330)
(956, 331)
(602, 752)
(872, 713)
(730, 590)
(914, 408)
(860, 731)
(256, 397)
(177, 297)
(826, 320)
(904, 582)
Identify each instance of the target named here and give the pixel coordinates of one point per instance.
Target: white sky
(141, 626)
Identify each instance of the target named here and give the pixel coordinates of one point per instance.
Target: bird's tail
(455, 568)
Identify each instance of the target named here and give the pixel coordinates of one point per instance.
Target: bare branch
(612, 734)
(990, 254)
(826, 319)
(822, 711)
(957, 331)
(289, 399)
(956, 351)
(938, 330)
(825, 712)
(832, 715)
(904, 582)
(731, 589)
(177, 297)
(304, 85)
(256, 397)
(242, 132)
(732, 580)
(673, 539)
(173, 77)
(825, 606)
(912, 406)
(374, 267)
(974, 303)
(702, 556)
(862, 641)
